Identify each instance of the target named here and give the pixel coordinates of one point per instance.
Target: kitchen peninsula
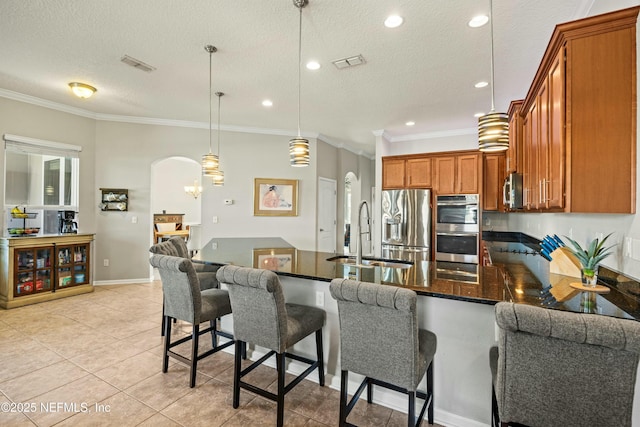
(456, 304)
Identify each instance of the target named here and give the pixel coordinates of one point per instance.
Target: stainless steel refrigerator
(406, 224)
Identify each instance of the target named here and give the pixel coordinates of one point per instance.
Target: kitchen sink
(371, 262)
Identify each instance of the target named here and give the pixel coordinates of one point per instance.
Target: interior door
(327, 202)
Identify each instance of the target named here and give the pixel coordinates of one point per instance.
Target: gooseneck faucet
(360, 232)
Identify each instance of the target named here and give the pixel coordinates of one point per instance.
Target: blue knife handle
(558, 240)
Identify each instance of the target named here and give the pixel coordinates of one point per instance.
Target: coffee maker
(66, 222)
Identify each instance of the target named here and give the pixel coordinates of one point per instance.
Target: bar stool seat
(261, 317)
(380, 339)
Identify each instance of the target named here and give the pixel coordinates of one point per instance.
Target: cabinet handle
(546, 193)
(540, 196)
(508, 164)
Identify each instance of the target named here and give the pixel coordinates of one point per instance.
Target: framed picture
(276, 259)
(275, 197)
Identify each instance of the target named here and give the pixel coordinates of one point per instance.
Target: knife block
(564, 262)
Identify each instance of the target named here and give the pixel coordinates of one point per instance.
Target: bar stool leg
(343, 398)
(280, 359)
(236, 373)
(320, 357)
(167, 338)
(194, 354)
(430, 392)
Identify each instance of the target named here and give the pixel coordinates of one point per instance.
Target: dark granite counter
(517, 272)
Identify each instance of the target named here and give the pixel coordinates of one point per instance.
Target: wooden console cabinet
(37, 269)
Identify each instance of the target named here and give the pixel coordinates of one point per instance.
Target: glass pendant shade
(210, 164)
(299, 152)
(493, 132)
(218, 178)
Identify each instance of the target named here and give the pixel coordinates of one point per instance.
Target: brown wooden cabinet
(393, 173)
(492, 181)
(406, 172)
(513, 160)
(457, 174)
(579, 119)
(419, 172)
(37, 269)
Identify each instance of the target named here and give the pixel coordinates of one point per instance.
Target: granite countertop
(518, 273)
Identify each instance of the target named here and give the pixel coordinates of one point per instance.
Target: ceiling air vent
(135, 63)
(351, 61)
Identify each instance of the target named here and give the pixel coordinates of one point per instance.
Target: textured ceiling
(422, 71)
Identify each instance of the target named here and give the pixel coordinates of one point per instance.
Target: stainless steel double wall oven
(457, 228)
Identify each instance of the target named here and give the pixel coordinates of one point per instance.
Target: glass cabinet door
(33, 271)
(72, 263)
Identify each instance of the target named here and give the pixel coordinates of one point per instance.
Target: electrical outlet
(105, 262)
(134, 220)
(320, 298)
(215, 219)
(626, 247)
(214, 245)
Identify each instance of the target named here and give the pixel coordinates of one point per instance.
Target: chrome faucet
(360, 232)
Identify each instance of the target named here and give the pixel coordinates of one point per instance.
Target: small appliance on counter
(67, 223)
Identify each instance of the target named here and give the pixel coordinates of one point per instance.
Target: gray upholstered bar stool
(380, 339)
(558, 368)
(176, 246)
(184, 300)
(261, 317)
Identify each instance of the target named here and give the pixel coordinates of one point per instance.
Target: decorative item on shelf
(218, 176)
(493, 128)
(299, 146)
(210, 161)
(590, 258)
(194, 190)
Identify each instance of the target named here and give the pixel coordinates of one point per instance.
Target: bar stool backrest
(378, 331)
(258, 306)
(564, 368)
(180, 286)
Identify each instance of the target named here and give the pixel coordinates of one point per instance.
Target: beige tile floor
(95, 360)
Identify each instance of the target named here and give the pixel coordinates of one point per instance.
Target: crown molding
(433, 135)
(16, 96)
(333, 143)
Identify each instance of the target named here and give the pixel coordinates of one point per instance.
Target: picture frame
(275, 197)
(275, 259)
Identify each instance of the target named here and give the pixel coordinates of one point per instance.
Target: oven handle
(457, 203)
(457, 234)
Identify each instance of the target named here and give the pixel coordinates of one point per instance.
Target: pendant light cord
(210, 100)
(219, 95)
(493, 109)
(299, 64)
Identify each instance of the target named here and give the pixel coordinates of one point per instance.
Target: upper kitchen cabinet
(406, 172)
(493, 179)
(579, 119)
(457, 174)
(513, 160)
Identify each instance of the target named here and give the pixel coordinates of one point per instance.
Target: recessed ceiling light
(267, 103)
(478, 115)
(313, 65)
(481, 84)
(478, 21)
(410, 123)
(393, 21)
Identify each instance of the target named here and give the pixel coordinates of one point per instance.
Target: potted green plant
(590, 258)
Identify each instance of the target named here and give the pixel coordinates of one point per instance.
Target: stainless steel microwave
(512, 191)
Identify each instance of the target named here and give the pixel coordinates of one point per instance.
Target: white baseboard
(121, 282)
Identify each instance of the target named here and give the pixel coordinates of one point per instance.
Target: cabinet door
(554, 190)
(543, 145)
(514, 153)
(468, 174)
(419, 173)
(531, 153)
(493, 179)
(444, 175)
(393, 172)
(33, 271)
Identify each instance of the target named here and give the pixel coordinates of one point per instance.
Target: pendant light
(210, 161)
(218, 177)
(299, 146)
(493, 128)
